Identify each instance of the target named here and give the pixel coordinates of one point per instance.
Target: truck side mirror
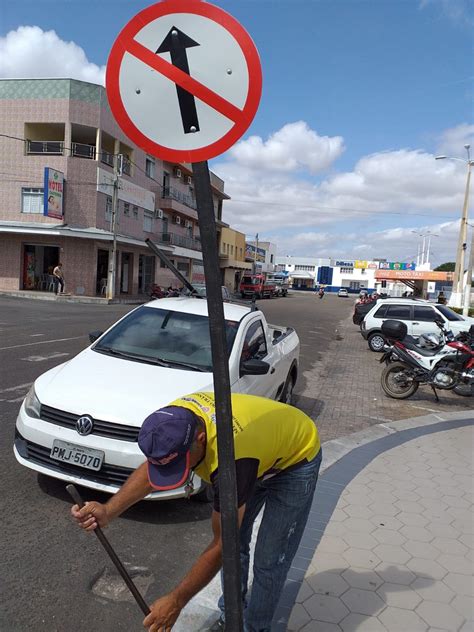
(254, 367)
(95, 335)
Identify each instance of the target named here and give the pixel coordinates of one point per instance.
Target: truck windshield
(164, 337)
(247, 280)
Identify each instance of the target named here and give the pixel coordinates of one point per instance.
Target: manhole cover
(110, 584)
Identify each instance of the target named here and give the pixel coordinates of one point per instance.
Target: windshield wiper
(131, 356)
(185, 365)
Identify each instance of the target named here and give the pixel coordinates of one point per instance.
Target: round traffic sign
(184, 80)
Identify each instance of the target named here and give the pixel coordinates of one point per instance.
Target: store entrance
(102, 271)
(38, 264)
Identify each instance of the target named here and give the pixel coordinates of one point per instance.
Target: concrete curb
(201, 612)
(70, 298)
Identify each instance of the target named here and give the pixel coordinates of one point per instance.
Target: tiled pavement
(343, 393)
(394, 542)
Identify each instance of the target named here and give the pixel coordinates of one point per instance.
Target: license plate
(77, 455)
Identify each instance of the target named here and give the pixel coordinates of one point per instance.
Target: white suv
(418, 315)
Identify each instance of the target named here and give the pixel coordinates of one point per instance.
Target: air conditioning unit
(188, 224)
(177, 219)
(159, 213)
(188, 180)
(178, 173)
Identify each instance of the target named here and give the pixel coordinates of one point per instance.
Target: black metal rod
(170, 265)
(220, 368)
(75, 495)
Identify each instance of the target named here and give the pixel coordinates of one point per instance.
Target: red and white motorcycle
(449, 365)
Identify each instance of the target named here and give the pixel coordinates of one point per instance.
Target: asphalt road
(54, 577)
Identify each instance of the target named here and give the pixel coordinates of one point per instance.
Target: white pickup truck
(80, 420)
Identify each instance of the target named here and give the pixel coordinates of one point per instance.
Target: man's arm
(95, 514)
(165, 610)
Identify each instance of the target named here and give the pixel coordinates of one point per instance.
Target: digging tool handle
(112, 554)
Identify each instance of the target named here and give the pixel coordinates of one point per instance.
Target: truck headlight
(32, 404)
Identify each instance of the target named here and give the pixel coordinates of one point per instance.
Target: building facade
(67, 127)
(232, 258)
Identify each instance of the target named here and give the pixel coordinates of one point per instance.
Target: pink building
(66, 125)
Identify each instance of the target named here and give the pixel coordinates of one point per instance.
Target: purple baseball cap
(165, 439)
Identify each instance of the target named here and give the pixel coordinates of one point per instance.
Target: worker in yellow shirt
(277, 460)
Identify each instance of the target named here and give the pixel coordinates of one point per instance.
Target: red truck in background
(257, 285)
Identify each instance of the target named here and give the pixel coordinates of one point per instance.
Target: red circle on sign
(126, 38)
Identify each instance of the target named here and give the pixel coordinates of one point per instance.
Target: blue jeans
(287, 498)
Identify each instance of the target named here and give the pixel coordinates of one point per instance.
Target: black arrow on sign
(176, 43)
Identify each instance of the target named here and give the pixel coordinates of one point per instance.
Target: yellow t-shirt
(268, 437)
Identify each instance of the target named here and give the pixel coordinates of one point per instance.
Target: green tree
(446, 267)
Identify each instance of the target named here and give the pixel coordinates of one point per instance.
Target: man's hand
(163, 615)
(91, 516)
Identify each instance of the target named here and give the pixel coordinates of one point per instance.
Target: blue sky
(378, 87)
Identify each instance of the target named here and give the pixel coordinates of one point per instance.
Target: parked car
(361, 310)
(418, 315)
(80, 421)
(343, 292)
(201, 290)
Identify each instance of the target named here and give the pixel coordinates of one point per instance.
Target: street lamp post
(456, 299)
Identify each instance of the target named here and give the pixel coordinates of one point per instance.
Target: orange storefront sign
(414, 275)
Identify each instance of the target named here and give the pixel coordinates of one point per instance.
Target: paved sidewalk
(393, 524)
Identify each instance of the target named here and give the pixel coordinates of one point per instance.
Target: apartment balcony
(41, 147)
(173, 239)
(107, 158)
(170, 193)
(82, 150)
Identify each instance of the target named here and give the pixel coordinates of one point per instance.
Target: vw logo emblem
(84, 425)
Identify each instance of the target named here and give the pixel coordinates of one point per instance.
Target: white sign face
(127, 191)
(183, 80)
(161, 119)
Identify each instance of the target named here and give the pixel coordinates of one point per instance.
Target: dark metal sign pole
(220, 363)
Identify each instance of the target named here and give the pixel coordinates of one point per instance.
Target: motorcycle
(157, 292)
(448, 366)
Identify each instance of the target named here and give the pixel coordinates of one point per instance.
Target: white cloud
(294, 146)
(403, 182)
(457, 11)
(31, 52)
(452, 141)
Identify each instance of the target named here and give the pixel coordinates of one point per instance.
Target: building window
(241, 252)
(347, 270)
(32, 200)
(126, 208)
(301, 267)
(150, 167)
(232, 250)
(108, 209)
(135, 212)
(148, 222)
(271, 258)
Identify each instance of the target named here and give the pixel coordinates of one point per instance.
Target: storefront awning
(413, 275)
(302, 275)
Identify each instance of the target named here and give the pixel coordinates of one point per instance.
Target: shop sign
(413, 275)
(250, 250)
(128, 192)
(344, 264)
(396, 265)
(53, 193)
(360, 264)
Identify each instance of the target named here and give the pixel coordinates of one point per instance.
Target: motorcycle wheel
(465, 390)
(393, 383)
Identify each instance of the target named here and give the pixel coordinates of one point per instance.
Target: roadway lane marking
(41, 342)
(39, 358)
(34, 335)
(11, 391)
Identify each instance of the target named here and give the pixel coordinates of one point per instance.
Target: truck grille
(107, 475)
(101, 428)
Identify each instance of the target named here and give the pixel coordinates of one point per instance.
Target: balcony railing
(180, 240)
(52, 147)
(81, 150)
(107, 158)
(179, 196)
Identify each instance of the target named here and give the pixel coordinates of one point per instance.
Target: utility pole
(459, 269)
(468, 287)
(254, 271)
(112, 273)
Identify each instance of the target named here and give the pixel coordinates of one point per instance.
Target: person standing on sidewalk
(58, 278)
(277, 460)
